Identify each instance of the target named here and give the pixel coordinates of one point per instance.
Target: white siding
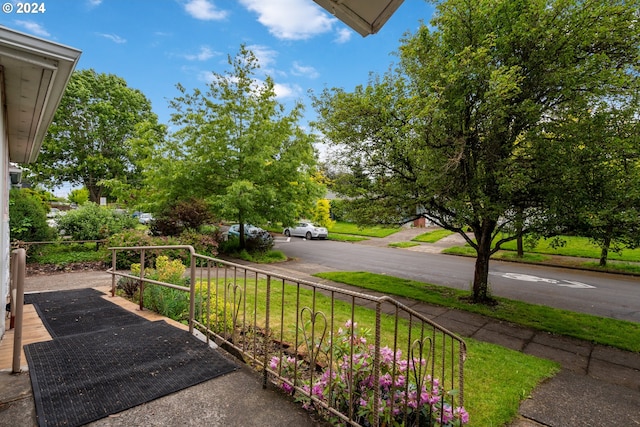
(4, 213)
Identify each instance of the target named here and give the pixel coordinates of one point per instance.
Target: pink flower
(461, 414)
(273, 364)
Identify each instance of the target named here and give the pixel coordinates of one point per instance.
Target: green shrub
(193, 213)
(183, 215)
(28, 217)
(169, 302)
(260, 242)
(129, 287)
(64, 253)
(220, 315)
(93, 222)
(204, 244)
(128, 238)
(229, 246)
(174, 303)
(165, 226)
(79, 196)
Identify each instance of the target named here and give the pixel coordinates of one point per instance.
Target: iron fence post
(192, 291)
(19, 266)
(141, 285)
(266, 328)
(113, 276)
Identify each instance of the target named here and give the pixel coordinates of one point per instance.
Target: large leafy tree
(446, 135)
(236, 147)
(98, 135)
(602, 177)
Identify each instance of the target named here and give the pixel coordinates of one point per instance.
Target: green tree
(79, 196)
(603, 176)
(97, 133)
(238, 149)
(28, 216)
(446, 134)
(322, 213)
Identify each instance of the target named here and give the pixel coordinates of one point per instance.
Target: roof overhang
(364, 16)
(34, 74)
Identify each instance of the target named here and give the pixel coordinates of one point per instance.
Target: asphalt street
(601, 294)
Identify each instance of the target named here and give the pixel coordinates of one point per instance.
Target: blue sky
(155, 44)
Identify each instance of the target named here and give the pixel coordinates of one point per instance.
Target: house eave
(364, 16)
(34, 74)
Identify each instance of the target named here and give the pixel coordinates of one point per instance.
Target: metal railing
(356, 358)
(27, 245)
(18, 268)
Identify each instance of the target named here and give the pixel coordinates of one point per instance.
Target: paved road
(600, 294)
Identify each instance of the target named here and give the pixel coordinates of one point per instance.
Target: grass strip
(432, 236)
(353, 229)
(533, 258)
(576, 246)
(346, 237)
(615, 333)
(403, 244)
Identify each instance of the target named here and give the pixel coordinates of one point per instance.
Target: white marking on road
(529, 278)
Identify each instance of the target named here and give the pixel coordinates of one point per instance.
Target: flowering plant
(407, 395)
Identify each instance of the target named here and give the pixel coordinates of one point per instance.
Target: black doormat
(79, 311)
(104, 359)
(82, 378)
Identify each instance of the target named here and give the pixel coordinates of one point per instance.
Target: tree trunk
(604, 253)
(241, 238)
(481, 275)
(520, 245)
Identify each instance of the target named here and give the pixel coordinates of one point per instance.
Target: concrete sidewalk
(597, 386)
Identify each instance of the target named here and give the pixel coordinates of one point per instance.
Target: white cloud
(204, 54)
(94, 3)
(287, 91)
(113, 37)
(265, 55)
(343, 35)
(33, 28)
(206, 76)
(305, 71)
(290, 19)
(204, 10)
(282, 91)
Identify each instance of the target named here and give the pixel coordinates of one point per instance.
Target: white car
(145, 218)
(307, 230)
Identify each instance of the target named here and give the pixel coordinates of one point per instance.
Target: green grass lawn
(374, 231)
(615, 333)
(346, 237)
(576, 247)
(432, 236)
(403, 244)
(627, 261)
